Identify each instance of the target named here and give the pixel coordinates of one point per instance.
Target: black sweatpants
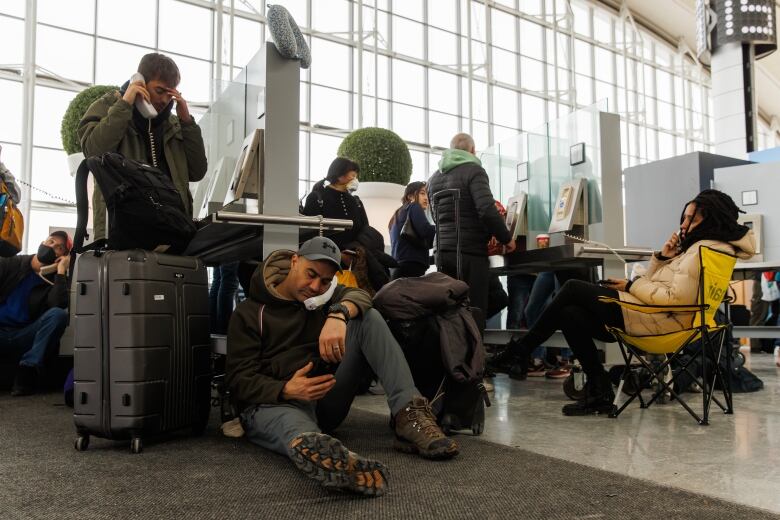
(576, 311)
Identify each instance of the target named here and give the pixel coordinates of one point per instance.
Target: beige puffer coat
(674, 282)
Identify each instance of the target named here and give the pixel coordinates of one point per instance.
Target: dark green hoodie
(258, 366)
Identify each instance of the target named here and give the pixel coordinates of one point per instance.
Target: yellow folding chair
(714, 277)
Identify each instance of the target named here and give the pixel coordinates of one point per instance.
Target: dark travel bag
(142, 351)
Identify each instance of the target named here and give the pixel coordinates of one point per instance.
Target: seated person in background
(412, 255)
(274, 344)
(335, 200)
(172, 143)
(33, 307)
(672, 278)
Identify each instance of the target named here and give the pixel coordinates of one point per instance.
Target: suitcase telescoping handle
(454, 194)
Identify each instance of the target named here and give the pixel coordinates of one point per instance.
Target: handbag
(410, 234)
(11, 224)
(347, 278)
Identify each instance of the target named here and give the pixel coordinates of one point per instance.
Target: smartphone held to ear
(144, 107)
(48, 269)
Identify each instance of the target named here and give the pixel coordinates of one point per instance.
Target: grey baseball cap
(321, 248)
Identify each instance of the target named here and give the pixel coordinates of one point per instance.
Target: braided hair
(719, 219)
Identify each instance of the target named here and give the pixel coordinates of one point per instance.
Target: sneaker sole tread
(326, 460)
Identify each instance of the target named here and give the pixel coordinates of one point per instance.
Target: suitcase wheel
(82, 443)
(449, 423)
(136, 445)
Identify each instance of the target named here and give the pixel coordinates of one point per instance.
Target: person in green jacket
(294, 369)
(172, 143)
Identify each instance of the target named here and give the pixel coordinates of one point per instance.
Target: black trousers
(576, 311)
(474, 271)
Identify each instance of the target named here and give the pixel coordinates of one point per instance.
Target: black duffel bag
(145, 210)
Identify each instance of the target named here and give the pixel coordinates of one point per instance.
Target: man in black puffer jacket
(478, 220)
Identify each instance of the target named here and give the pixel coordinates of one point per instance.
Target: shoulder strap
(260, 319)
(82, 207)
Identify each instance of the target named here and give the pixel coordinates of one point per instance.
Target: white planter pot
(380, 199)
(74, 160)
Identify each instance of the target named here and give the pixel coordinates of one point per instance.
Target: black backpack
(145, 210)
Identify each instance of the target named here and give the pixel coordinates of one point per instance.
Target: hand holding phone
(137, 94)
(671, 247)
(46, 270)
(614, 284)
(305, 387)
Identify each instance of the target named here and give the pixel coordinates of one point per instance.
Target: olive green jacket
(107, 126)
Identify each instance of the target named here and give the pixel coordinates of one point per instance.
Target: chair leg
(626, 373)
(667, 385)
(726, 378)
(718, 373)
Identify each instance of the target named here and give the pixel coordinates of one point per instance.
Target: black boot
(24, 384)
(598, 399)
(513, 360)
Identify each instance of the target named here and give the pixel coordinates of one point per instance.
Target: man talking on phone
(295, 362)
(33, 307)
(137, 122)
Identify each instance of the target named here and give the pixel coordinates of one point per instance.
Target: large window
(425, 68)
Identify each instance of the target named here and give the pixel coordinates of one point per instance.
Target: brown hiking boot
(416, 431)
(330, 463)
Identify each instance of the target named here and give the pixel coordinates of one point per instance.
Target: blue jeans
(518, 287)
(222, 295)
(541, 295)
(32, 341)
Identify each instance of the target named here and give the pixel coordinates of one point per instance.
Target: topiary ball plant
(380, 153)
(76, 109)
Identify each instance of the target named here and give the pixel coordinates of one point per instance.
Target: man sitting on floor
(281, 359)
(33, 307)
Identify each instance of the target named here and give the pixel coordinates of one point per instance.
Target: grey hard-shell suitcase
(142, 352)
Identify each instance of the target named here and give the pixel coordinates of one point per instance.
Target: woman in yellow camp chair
(672, 278)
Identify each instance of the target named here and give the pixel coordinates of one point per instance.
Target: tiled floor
(736, 458)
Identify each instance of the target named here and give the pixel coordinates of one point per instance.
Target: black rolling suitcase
(142, 351)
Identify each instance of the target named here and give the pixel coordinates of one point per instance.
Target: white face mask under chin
(353, 185)
(315, 302)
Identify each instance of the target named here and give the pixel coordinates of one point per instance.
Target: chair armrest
(654, 309)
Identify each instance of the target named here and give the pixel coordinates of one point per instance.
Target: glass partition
(539, 161)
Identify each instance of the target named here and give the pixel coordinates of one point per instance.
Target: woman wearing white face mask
(332, 198)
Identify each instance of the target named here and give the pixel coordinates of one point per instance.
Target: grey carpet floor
(42, 476)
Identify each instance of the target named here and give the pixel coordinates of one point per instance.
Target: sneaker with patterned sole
(324, 459)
